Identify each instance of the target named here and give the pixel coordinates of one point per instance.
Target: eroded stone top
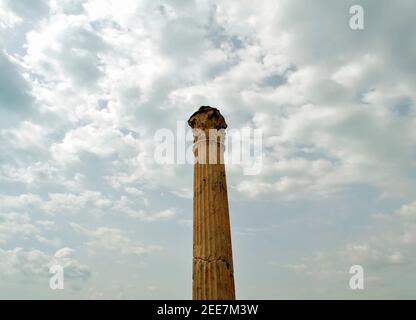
(207, 118)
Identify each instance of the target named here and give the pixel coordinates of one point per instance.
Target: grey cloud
(72, 6)
(14, 90)
(322, 33)
(33, 265)
(134, 71)
(183, 38)
(73, 269)
(79, 55)
(29, 9)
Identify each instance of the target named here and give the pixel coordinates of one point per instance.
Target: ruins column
(213, 274)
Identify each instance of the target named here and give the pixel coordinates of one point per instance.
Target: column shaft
(213, 275)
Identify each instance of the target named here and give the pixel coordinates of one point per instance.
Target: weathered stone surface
(207, 118)
(213, 272)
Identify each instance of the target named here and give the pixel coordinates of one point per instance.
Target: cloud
(8, 19)
(25, 263)
(140, 74)
(320, 150)
(15, 95)
(22, 201)
(27, 135)
(162, 215)
(100, 141)
(27, 9)
(60, 203)
(407, 210)
(384, 251)
(34, 265)
(72, 268)
(132, 204)
(68, 51)
(16, 226)
(112, 239)
(18, 222)
(86, 83)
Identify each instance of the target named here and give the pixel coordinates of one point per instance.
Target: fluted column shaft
(213, 275)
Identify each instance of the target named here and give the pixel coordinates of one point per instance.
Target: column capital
(207, 118)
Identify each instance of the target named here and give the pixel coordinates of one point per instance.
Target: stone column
(213, 273)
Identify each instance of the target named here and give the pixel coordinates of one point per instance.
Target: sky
(85, 84)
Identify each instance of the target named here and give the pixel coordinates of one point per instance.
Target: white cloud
(72, 268)
(22, 201)
(27, 135)
(16, 226)
(408, 210)
(7, 18)
(162, 215)
(86, 83)
(112, 239)
(59, 203)
(34, 264)
(101, 141)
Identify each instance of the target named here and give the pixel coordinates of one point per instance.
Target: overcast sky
(84, 85)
